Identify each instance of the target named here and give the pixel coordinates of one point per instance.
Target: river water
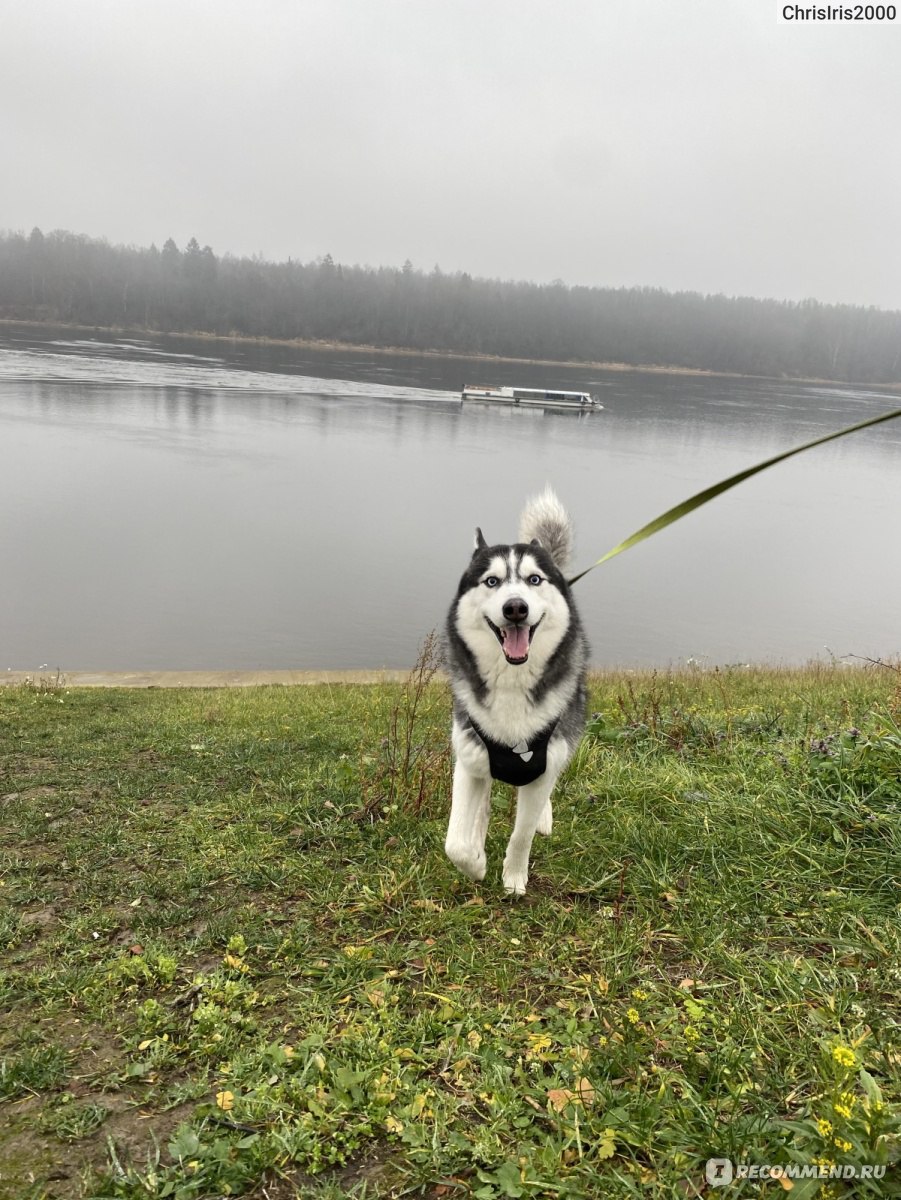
(199, 504)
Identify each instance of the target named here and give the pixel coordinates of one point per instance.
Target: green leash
(687, 506)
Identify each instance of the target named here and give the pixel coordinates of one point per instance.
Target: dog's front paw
(466, 858)
(546, 821)
(515, 878)
(515, 885)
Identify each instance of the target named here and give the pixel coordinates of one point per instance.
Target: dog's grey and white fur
(517, 658)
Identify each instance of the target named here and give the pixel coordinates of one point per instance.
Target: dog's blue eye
(492, 581)
(535, 580)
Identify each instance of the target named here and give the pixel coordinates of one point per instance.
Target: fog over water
(176, 504)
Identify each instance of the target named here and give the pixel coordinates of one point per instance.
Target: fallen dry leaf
(560, 1097)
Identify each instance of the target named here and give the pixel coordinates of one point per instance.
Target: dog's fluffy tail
(545, 518)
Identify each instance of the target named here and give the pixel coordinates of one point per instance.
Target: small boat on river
(534, 397)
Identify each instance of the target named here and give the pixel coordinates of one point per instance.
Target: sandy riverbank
(195, 679)
(449, 355)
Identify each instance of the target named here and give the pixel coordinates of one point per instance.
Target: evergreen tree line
(69, 278)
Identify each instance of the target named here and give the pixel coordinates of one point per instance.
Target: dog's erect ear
(534, 542)
(480, 542)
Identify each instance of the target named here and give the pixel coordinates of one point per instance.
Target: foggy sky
(697, 145)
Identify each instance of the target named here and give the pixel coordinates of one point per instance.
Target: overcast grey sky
(701, 145)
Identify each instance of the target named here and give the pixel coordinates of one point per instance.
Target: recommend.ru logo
(719, 1171)
(722, 1171)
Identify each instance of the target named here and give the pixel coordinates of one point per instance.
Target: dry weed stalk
(415, 759)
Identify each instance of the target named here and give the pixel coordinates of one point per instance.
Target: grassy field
(236, 962)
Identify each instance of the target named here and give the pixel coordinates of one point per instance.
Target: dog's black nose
(515, 610)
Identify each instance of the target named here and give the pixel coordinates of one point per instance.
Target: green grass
(236, 962)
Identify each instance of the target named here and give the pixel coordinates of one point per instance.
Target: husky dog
(517, 658)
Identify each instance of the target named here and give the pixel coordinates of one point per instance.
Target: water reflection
(161, 520)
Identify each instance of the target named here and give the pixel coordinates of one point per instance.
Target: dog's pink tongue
(516, 641)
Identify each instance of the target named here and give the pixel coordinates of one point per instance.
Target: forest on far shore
(73, 279)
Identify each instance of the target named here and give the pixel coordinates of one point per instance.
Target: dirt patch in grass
(372, 1171)
(33, 1159)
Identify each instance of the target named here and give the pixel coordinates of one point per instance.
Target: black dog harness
(519, 764)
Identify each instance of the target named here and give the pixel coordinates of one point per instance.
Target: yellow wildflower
(824, 1127)
(844, 1056)
(843, 1145)
(638, 994)
(632, 1016)
(538, 1043)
